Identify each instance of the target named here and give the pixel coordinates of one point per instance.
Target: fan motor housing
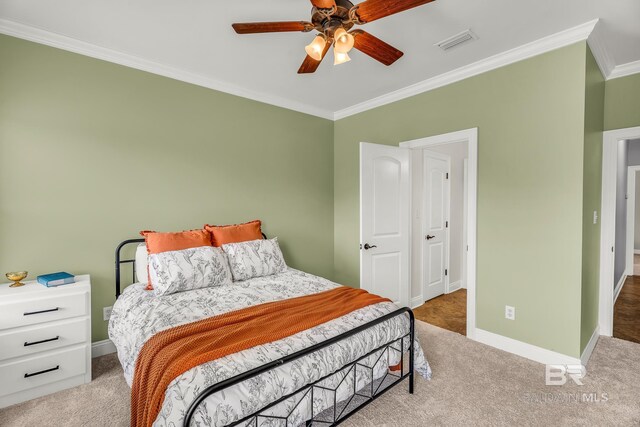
(328, 24)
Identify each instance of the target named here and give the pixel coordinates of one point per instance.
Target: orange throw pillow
(223, 234)
(164, 242)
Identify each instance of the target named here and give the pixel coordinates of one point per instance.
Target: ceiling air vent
(456, 40)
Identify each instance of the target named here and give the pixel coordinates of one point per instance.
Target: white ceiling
(195, 36)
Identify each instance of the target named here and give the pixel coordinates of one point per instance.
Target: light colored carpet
(472, 384)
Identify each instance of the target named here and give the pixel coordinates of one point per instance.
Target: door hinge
(446, 224)
(446, 272)
(447, 175)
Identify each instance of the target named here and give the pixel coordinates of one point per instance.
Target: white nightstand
(45, 339)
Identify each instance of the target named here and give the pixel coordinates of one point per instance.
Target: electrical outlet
(509, 312)
(106, 313)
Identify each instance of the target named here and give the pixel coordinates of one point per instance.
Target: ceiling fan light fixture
(343, 41)
(339, 57)
(316, 47)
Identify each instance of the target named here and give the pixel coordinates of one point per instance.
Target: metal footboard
(340, 410)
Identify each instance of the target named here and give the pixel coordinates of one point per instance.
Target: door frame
(631, 220)
(631, 217)
(423, 217)
(470, 136)
(608, 224)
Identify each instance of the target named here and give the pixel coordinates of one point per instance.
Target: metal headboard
(120, 261)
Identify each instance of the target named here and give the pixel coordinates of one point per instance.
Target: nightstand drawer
(38, 338)
(45, 369)
(30, 312)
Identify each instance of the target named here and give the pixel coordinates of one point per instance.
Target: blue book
(56, 279)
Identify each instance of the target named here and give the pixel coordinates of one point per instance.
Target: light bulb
(340, 58)
(343, 41)
(316, 47)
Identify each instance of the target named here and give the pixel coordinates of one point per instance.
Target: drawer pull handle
(27, 344)
(29, 313)
(42, 372)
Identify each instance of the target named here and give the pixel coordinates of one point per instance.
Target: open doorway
(387, 222)
(439, 229)
(626, 315)
(619, 278)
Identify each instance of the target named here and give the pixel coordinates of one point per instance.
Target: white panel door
(384, 221)
(435, 226)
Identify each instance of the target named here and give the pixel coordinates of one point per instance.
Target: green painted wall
(93, 152)
(530, 117)
(592, 182)
(622, 102)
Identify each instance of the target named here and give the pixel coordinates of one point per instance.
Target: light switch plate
(595, 217)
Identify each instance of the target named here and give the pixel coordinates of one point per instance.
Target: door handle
(368, 246)
(429, 237)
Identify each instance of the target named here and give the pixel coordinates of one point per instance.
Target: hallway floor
(626, 312)
(448, 311)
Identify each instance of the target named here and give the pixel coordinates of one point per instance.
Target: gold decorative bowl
(16, 276)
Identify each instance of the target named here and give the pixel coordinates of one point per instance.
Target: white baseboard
(417, 301)
(529, 351)
(586, 354)
(100, 348)
(455, 286)
(618, 288)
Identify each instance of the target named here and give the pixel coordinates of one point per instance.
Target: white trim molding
(586, 31)
(100, 348)
(523, 349)
(529, 50)
(632, 172)
(26, 32)
(586, 354)
(417, 301)
(607, 224)
(600, 51)
(470, 136)
(454, 286)
(624, 70)
(618, 288)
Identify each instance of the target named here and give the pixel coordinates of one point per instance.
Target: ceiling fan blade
(310, 65)
(371, 10)
(271, 27)
(323, 4)
(375, 48)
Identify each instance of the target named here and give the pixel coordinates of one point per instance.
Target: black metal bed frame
(340, 411)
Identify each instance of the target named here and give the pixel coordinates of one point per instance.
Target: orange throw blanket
(173, 352)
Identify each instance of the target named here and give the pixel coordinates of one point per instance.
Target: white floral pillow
(255, 258)
(178, 271)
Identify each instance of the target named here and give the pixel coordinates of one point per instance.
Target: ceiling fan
(333, 20)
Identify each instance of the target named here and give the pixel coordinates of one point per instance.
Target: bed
(319, 376)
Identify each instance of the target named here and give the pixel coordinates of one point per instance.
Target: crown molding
(543, 45)
(26, 32)
(624, 70)
(588, 31)
(600, 51)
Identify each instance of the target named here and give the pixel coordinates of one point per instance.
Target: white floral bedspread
(138, 314)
